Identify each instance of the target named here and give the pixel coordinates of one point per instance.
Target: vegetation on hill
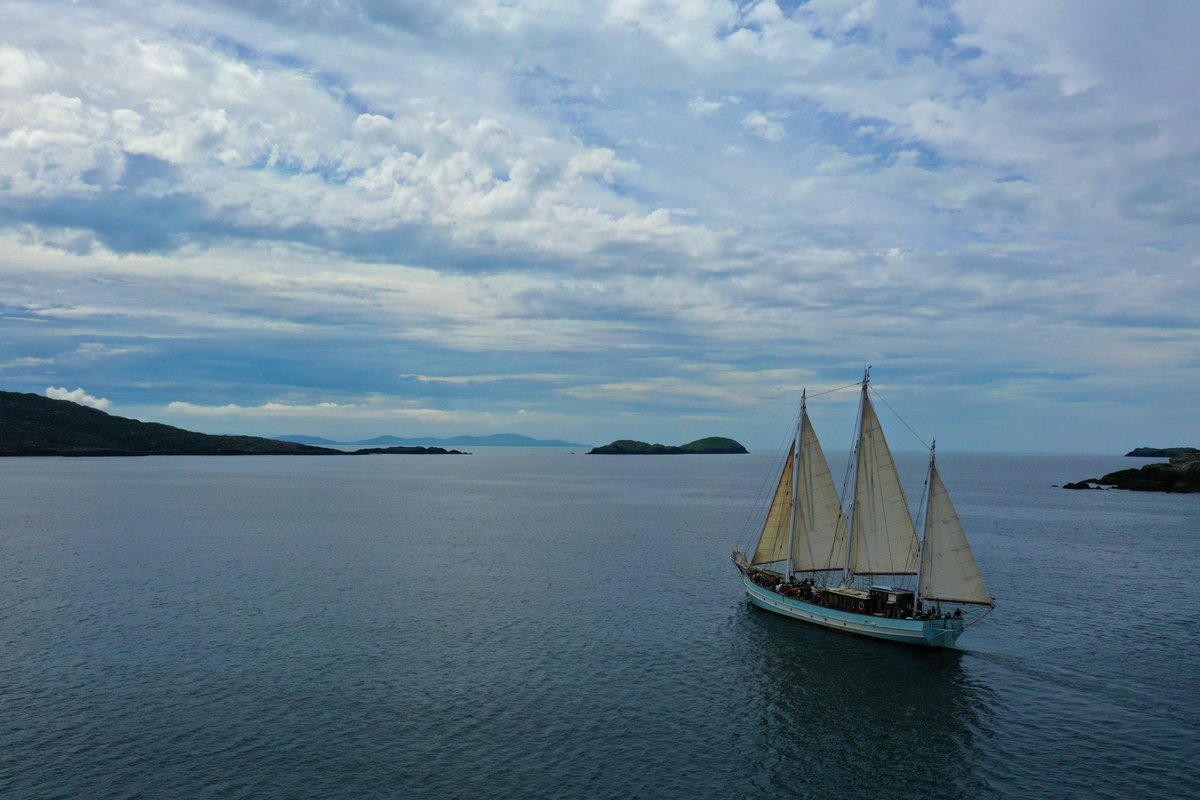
(711, 444)
(1160, 452)
(32, 425)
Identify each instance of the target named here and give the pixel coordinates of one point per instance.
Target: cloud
(77, 396)
(471, 379)
(700, 107)
(324, 414)
(266, 409)
(91, 351)
(761, 125)
(27, 361)
(487, 203)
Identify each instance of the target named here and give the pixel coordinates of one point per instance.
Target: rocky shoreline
(1180, 475)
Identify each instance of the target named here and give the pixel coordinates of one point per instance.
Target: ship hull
(937, 633)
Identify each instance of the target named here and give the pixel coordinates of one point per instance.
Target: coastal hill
(1160, 452)
(32, 425)
(712, 444)
(1181, 474)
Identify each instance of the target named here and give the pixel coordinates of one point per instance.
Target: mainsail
(883, 538)
(820, 535)
(948, 569)
(805, 519)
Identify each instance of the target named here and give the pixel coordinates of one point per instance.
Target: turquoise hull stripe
(924, 633)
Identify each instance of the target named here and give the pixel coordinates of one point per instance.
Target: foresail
(820, 542)
(948, 568)
(884, 538)
(772, 545)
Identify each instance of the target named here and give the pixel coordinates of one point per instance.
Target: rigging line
(839, 389)
(752, 522)
(910, 430)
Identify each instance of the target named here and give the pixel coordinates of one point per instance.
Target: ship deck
(936, 632)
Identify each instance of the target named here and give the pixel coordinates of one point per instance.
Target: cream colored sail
(884, 541)
(820, 541)
(772, 545)
(948, 569)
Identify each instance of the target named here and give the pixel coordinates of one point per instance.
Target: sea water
(522, 623)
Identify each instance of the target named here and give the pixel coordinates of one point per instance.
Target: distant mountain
(494, 440)
(710, 445)
(32, 425)
(302, 439)
(404, 450)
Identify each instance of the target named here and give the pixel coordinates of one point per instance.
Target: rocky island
(32, 425)
(1159, 452)
(1181, 474)
(712, 444)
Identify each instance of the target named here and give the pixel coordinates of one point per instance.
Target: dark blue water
(537, 624)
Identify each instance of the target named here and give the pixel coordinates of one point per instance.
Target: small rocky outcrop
(1181, 474)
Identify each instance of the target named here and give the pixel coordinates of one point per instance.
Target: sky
(647, 219)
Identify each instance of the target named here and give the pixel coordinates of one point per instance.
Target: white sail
(948, 569)
(820, 541)
(772, 545)
(884, 540)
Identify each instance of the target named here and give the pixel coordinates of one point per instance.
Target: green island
(32, 425)
(710, 445)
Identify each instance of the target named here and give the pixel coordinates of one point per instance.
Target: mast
(854, 483)
(795, 482)
(921, 545)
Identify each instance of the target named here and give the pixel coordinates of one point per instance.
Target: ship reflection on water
(836, 713)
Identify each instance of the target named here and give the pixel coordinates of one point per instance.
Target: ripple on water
(538, 625)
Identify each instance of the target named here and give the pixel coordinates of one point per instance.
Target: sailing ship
(863, 570)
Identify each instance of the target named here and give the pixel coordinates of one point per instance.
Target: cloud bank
(655, 219)
(78, 396)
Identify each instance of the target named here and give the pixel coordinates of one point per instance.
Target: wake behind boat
(863, 571)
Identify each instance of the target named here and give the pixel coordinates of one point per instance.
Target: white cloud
(91, 351)
(546, 377)
(480, 192)
(700, 107)
(763, 126)
(27, 361)
(263, 410)
(77, 396)
(377, 412)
